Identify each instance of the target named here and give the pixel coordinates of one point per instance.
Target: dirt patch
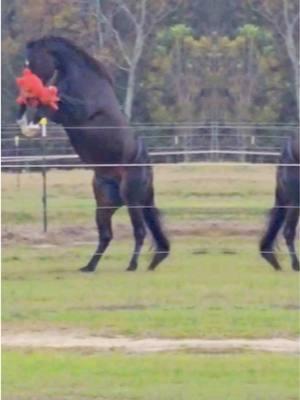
(78, 234)
(71, 340)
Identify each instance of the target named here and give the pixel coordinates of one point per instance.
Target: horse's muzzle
(28, 129)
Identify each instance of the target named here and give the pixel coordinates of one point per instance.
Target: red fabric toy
(33, 92)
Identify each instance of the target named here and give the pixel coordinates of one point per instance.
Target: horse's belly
(109, 188)
(93, 148)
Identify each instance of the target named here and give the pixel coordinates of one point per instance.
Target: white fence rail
(167, 143)
(153, 153)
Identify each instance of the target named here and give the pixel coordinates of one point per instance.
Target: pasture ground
(171, 376)
(214, 285)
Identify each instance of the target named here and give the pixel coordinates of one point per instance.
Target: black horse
(98, 131)
(287, 202)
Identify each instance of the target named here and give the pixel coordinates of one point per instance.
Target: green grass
(45, 375)
(190, 295)
(238, 193)
(199, 291)
(214, 285)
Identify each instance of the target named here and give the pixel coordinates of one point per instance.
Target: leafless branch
(295, 20)
(116, 34)
(129, 13)
(159, 18)
(267, 15)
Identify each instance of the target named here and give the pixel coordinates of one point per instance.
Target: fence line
(179, 164)
(151, 148)
(154, 153)
(200, 208)
(200, 124)
(180, 135)
(21, 162)
(166, 127)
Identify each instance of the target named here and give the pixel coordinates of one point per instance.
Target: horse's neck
(80, 84)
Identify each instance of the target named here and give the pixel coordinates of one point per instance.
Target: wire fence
(170, 145)
(166, 142)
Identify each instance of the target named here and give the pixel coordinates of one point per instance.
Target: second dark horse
(285, 212)
(99, 133)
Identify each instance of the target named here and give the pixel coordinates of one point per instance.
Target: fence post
(176, 144)
(252, 147)
(214, 141)
(43, 123)
(17, 143)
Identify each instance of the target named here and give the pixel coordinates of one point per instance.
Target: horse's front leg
(108, 202)
(103, 219)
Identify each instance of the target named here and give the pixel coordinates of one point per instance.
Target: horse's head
(84, 85)
(41, 60)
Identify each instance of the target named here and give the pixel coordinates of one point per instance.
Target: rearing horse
(99, 133)
(287, 203)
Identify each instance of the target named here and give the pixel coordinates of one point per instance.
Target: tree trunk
(292, 54)
(130, 91)
(99, 27)
(291, 47)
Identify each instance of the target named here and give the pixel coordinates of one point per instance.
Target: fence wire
(169, 146)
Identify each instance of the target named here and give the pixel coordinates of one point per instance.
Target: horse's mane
(63, 44)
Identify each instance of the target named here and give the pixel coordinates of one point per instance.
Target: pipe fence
(170, 145)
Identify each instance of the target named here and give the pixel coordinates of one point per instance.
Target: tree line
(173, 60)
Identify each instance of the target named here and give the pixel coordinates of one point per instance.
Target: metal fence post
(43, 123)
(17, 143)
(214, 141)
(176, 145)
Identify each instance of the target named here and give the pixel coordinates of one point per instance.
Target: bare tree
(130, 24)
(283, 16)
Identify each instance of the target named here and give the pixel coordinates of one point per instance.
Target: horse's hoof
(86, 269)
(271, 259)
(131, 268)
(296, 266)
(157, 259)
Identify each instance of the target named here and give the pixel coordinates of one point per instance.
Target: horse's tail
(154, 223)
(276, 219)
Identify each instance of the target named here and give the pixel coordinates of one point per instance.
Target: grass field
(209, 295)
(173, 376)
(202, 192)
(214, 285)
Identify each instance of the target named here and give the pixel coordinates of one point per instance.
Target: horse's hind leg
(152, 219)
(289, 234)
(137, 220)
(132, 193)
(267, 242)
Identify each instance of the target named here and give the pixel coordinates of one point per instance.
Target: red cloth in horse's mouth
(33, 92)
